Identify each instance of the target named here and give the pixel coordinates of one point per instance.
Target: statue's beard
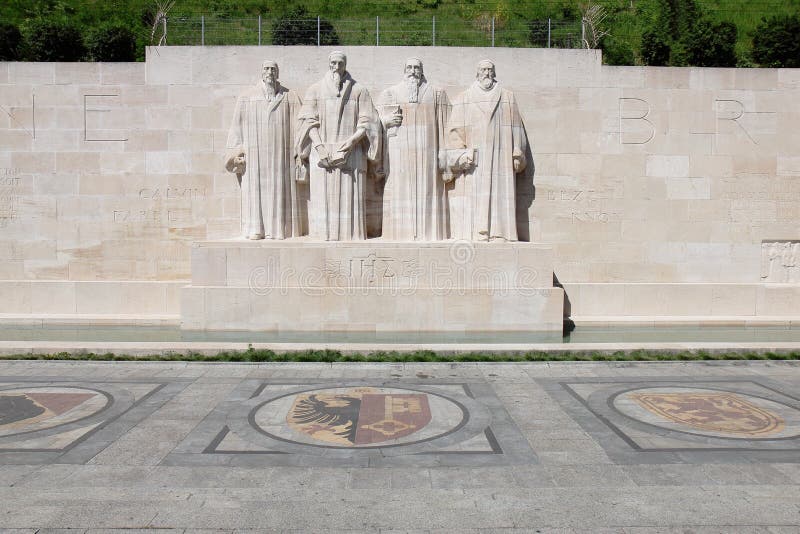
(270, 88)
(337, 81)
(413, 83)
(486, 82)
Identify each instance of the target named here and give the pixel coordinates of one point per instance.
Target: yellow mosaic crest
(712, 412)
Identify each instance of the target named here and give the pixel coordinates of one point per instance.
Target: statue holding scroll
(486, 150)
(262, 154)
(339, 133)
(414, 115)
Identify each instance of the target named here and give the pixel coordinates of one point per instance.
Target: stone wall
(661, 178)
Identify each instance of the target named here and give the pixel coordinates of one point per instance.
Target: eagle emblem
(19, 410)
(358, 416)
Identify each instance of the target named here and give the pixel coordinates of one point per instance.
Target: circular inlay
(359, 417)
(37, 408)
(710, 412)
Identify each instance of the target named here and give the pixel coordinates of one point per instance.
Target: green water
(618, 334)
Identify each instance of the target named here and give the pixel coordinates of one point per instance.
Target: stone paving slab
(632, 447)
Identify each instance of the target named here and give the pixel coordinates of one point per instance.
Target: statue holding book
(339, 133)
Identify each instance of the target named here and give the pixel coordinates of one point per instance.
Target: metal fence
(380, 31)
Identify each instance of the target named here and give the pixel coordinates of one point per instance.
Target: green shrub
(297, 27)
(776, 42)
(713, 44)
(678, 34)
(10, 40)
(655, 49)
(111, 43)
(54, 40)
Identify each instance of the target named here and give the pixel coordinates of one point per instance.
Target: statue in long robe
(414, 114)
(339, 133)
(263, 155)
(486, 150)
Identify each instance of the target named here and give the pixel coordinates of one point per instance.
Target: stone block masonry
(647, 182)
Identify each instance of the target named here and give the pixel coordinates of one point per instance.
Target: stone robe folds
(414, 202)
(263, 130)
(337, 209)
(488, 125)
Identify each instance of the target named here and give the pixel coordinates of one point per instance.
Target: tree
(678, 34)
(655, 48)
(592, 18)
(112, 42)
(298, 28)
(776, 42)
(10, 39)
(52, 39)
(713, 44)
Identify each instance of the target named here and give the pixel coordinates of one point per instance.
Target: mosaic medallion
(687, 419)
(710, 412)
(38, 408)
(359, 417)
(356, 423)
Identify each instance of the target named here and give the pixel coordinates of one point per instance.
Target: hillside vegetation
(671, 32)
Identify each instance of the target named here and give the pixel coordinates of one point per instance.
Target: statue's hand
(395, 120)
(519, 164)
(465, 163)
(239, 164)
(347, 146)
(324, 163)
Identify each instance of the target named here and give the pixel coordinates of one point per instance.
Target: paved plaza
(540, 447)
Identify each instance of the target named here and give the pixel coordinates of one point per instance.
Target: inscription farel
(152, 215)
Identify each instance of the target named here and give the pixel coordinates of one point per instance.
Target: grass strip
(332, 356)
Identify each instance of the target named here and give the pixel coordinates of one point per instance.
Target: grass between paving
(330, 356)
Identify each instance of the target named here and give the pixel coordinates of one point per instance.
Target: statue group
(449, 167)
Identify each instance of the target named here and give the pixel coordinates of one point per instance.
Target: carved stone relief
(449, 170)
(780, 261)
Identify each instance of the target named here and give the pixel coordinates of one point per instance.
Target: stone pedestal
(374, 285)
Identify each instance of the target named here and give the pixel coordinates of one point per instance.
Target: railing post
(202, 30)
(259, 29)
(318, 30)
(548, 33)
(492, 32)
(377, 31)
(434, 30)
(583, 32)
